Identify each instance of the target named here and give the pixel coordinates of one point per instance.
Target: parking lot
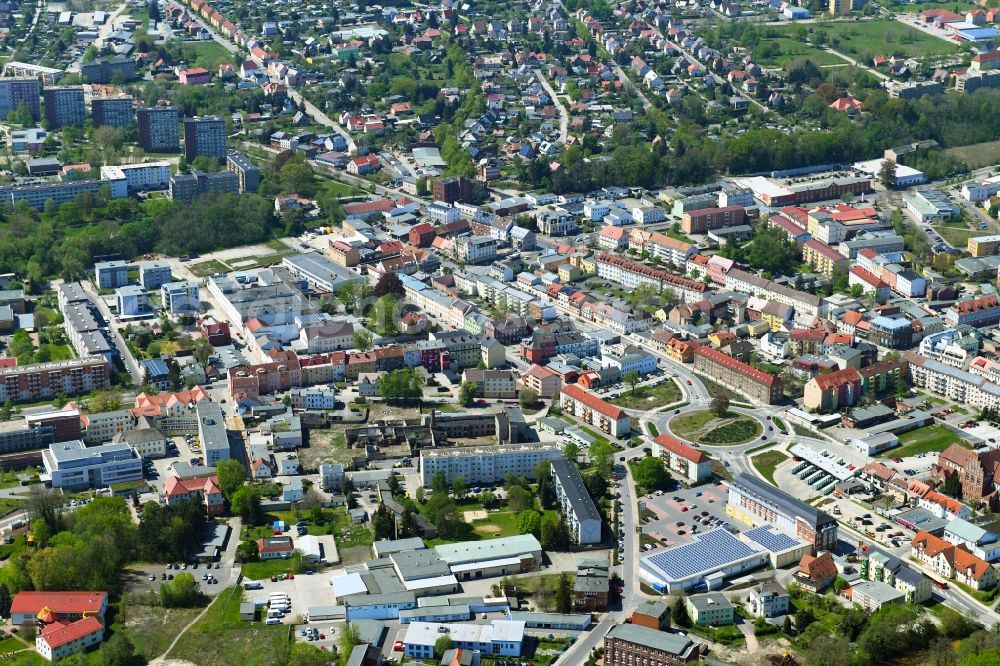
(683, 513)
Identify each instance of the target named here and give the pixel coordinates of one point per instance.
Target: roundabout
(709, 429)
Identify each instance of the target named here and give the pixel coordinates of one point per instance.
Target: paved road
(113, 325)
(563, 113)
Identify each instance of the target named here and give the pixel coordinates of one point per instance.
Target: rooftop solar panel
(712, 550)
(771, 539)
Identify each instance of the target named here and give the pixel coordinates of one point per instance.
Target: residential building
(111, 274)
(204, 489)
(652, 615)
(816, 572)
(476, 249)
(575, 502)
(159, 128)
(212, 432)
(274, 548)
(131, 301)
(872, 595)
(710, 609)
(829, 392)
(180, 297)
(540, 379)
(682, 460)
(185, 187)
(632, 645)
(953, 561)
(985, 246)
(979, 541)
(824, 258)
(738, 375)
(768, 600)
(492, 383)
(590, 589)
(978, 312)
(884, 568)
(103, 426)
(58, 640)
(590, 409)
(108, 71)
(455, 189)
(64, 606)
(942, 506)
(755, 502)
(64, 106)
(112, 111)
(964, 387)
(43, 381)
(144, 177)
(631, 274)
(247, 173)
(482, 465)
(707, 219)
(205, 136)
(75, 466)
(18, 92)
(147, 442)
(49, 76)
(154, 274)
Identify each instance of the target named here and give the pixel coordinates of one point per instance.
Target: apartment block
(75, 466)
(185, 187)
(180, 297)
(634, 645)
(64, 106)
(577, 401)
(485, 464)
(246, 171)
(112, 111)
(18, 92)
(205, 136)
(159, 128)
(707, 219)
(577, 506)
(738, 375)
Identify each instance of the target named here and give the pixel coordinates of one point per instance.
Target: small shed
(247, 611)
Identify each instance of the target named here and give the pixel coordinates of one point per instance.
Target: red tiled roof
(742, 368)
(835, 379)
(207, 485)
(58, 633)
(656, 274)
(274, 544)
(976, 304)
(681, 449)
(61, 603)
(592, 401)
(818, 568)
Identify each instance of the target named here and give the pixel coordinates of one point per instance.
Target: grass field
(924, 440)
(501, 524)
(865, 39)
(646, 398)
(151, 628)
(206, 54)
(220, 637)
(206, 268)
(767, 462)
(706, 428)
(958, 236)
(786, 49)
(957, 7)
(977, 154)
(335, 187)
(264, 569)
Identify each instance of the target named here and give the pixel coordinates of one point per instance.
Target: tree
(382, 523)
(803, 618)
(467, 393)
(384, 315)
(182, 592)
(349, 637)
(679, 613)
(402, 384)
(601, 454)
(651, 474)
(564, 594)
(442, 645)
(245, 503)
(458, 487)
(231, 474)
(887, 174)
(389, 283)
(632, 379)
(439, 483)
(786, 627)
(570, 452)
(529, 522)
(528, 397)
(361, 339)
(952, 486)
(828, 650)
(719, 405)
(518, 499)
(5, 600)
(118, 650)
(45, 504)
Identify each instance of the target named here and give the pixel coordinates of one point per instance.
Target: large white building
(685, 461)
(485, 464)
(74, 465)
(500, 637)
(180, 297)
(958, 385)
(582, 516)
(140, 177)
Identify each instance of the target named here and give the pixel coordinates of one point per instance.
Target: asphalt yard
(673, 517)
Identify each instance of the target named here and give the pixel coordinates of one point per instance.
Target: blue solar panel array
(771, 539)
(713, 550)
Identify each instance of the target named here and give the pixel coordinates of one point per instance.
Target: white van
(272, 620)
(274, 613)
